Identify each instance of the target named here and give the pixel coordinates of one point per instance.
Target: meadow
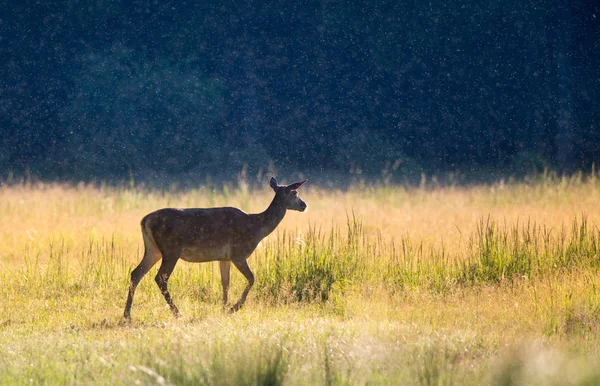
(427, 285)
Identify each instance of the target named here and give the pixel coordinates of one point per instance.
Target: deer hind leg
(242, 266)
(151, 256)
(225, 267)
(162, 277)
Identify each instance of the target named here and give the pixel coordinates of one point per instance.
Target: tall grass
(431, 285)
(529, 250)
(308, 266)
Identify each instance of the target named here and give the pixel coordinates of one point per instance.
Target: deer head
(287, 196)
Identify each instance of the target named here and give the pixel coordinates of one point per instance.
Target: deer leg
(225, 270)
(162, 277)
(150, 258)
(242, 266)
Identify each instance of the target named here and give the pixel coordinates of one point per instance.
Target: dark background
(164, 90)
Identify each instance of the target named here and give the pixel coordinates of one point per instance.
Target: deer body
(199, 235)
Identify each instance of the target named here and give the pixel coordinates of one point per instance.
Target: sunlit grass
(385, 285)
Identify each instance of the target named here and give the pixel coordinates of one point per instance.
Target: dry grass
(402, 318)
(434, 215)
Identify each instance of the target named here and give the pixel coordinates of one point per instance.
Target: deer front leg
(225, 270)
(242, 266)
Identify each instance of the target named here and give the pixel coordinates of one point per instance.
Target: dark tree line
(109, 89)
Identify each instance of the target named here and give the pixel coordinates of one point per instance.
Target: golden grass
(66, 252)
(38, 214)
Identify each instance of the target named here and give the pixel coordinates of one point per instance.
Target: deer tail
(147, 234)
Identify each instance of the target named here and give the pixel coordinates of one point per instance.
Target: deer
(198, 235)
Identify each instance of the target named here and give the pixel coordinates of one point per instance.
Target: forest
(164, 91)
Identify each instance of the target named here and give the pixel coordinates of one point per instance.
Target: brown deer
(198, 235)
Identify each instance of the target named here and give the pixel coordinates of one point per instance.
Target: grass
(375, 285)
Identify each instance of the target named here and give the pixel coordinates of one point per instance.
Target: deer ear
(273, 183)
(295, 185)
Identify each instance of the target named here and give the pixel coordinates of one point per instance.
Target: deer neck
(268, 220)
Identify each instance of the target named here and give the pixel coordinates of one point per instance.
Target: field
(431, 285)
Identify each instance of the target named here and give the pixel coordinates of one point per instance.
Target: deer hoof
(125, 321)
(235, 308)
